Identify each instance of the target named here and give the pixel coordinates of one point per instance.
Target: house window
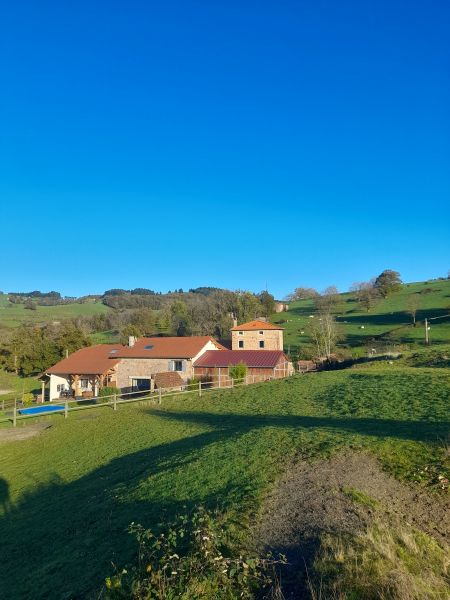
(240, 332)
(241, 343)
(261, 333)
(61, 387)
(261, 343)
(84, 384)
(177, 365)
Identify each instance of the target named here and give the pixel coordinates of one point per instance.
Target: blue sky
(235, 144)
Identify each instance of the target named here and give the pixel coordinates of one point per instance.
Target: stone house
(257, 335)
(146, 357)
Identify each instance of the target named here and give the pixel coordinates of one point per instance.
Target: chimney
(131, 340)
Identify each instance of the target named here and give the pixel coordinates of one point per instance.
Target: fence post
(115, 402)
(66, 409)
(15, 413)
(159, 395)
(200, 389)
(232, 382)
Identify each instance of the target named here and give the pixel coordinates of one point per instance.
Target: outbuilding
(261, 365)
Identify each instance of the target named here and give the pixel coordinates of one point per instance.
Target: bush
(108, 391)
(238, 371)
(189, 560)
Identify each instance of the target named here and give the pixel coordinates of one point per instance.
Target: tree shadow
(5, 502)
(60, 540)
(423, 431)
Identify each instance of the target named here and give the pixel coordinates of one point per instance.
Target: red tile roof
(93, 360)
(169, 379)
(255, 325)
(167, 347)
(252, 358)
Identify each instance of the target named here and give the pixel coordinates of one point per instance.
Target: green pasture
(388, 320)
(13, 315)
(69, 494)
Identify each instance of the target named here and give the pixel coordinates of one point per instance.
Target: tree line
(34, 348)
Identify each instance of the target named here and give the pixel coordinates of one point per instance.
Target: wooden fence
(68, 405)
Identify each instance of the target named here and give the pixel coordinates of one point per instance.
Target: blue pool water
(35, 410)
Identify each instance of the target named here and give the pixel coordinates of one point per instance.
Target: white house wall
(56, 380)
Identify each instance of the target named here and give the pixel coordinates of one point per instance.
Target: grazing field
(70, 493)
(388, 320)
(13, 315)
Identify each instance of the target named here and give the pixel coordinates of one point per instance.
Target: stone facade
(251, 340)
(144, 368)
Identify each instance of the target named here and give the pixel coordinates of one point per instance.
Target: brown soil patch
(312, 499)
(11, 434)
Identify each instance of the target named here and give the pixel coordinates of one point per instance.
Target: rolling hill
(13, 315)
(388, 322)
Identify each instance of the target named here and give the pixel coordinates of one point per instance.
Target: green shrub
(189, 560)
(108, 391)
(238, 371)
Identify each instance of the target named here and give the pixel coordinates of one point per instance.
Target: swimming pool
(36, 410)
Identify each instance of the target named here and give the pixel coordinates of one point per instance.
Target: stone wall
(135, 368)
(273, 339)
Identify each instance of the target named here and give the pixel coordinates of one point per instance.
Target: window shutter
(171, 365)
(183, 366)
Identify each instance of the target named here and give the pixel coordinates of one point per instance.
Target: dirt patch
(11, 434)
(314, 498)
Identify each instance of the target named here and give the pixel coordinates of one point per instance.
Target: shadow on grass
(59, 540)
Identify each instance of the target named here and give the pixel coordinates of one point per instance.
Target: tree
(412, 306)
(328, 301)
(238, 371)
(181, 321)
(324, 332)
(387, 282)
(127, 331)
(267, 302)
(302, 293)
(29, 304)
(365, 293)
(69, 338)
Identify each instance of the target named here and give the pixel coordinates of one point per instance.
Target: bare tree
(366, 293)
(324, 332)
(412, 306)
(328, 300)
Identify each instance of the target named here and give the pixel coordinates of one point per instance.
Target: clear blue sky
(232, 143)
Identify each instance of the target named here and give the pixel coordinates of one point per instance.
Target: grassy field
(13, 315)
(70, 493)
(387, 320)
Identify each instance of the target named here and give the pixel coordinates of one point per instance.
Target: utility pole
(427, 328)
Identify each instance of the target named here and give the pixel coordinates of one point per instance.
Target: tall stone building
(257, 335)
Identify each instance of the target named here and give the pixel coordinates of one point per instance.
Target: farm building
(280, 306)
(261, 365)
(142, 365)
(168, 362)
(146, 357)
(84, 371)
(257, 335)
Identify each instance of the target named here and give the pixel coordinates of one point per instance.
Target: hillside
(13, 315)
(72, 491)
(388, 322)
